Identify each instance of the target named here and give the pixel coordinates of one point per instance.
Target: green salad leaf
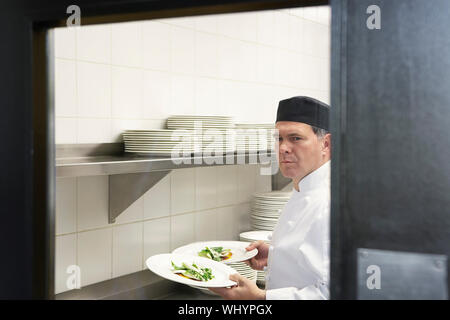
(214, 253)
(193, 272)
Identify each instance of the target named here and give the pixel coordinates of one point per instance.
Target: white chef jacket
(298, 261)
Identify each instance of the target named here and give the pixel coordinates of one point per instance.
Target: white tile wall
(156, 237)
(226, 223)
(183, 95)
(127, 44)
(206, 23)
(246, 184)
(182, 50)
(65, 130)
(127, 249)
(133, 76)
(127, 93)
(94, 90)
(91, 130)
(182, 191)
(208, 64)
(157, 89)
(157, 199)
(134, 212)
(227, 180)
(206, 59)
(66, 205)
(66, 88)
(65, 40)
(205, 188)
(94, 252)
(94, 43)
(242, 219)
(65, 256)
(182, 230)
(206, 225)
(156, 45)
(206, 90)
(92, 202)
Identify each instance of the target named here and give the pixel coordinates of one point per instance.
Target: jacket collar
(315, 179)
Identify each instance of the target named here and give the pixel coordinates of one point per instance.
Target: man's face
(300, 150)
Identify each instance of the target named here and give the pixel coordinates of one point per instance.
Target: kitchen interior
(110, 78)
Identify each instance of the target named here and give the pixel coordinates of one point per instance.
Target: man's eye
(296, 138)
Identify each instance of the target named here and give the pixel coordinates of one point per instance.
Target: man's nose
(284, 147)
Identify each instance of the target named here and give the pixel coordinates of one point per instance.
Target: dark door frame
(35, 253)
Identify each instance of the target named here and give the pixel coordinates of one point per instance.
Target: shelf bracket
(124, 189)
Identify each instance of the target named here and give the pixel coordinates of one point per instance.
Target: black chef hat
(304, 109)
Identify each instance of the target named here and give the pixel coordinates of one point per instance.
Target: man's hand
(259, 261)
(244, 290)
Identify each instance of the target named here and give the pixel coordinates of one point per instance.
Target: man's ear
(326, 143)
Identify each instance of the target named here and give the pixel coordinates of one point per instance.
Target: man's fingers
(236, 277)
(253, 245)
(220, 291)
(252, 263)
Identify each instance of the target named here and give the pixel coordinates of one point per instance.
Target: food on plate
(216, 253)
(192, 272)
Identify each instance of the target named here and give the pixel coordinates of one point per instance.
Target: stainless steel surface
(99, 163)
(139, 285)
(125, 189)
(401, 275)
(142, 285)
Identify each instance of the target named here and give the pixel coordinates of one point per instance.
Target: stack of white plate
(157, 141)
(244, 270)
(254, 136)
(266, 209)
(164, 141)
(252, 236)
(199, 122)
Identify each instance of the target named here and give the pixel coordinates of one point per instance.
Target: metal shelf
(130, 176)
(108, 165)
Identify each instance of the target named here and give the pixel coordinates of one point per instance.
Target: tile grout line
(77, 100)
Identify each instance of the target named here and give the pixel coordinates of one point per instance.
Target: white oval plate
(238, 251)
(161, 265)
(257, 235)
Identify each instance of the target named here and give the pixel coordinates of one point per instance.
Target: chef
(297, 261)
